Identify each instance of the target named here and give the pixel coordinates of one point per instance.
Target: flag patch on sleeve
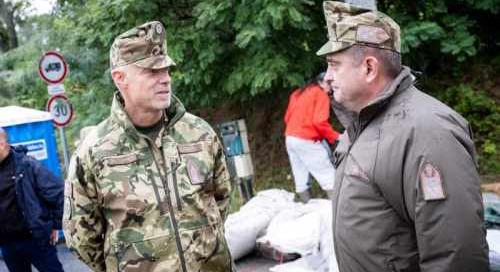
(431, 182)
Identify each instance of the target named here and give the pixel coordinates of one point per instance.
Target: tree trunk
(3, 39)
(7, 11)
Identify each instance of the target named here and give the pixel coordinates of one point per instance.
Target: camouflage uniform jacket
(133, 204)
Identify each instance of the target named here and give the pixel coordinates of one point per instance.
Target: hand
(54, 237)
(333, 145)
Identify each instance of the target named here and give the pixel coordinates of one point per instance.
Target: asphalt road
(250, 263)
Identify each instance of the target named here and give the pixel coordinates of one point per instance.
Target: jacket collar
(354, 122)
(120, 118)
(19, 153)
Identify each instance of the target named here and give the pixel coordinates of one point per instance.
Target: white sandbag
(241, 231)
(294, 230)
(324, 208)
(493, 239)
(244, 227)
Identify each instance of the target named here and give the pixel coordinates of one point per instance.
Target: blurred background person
(31, 209)
(307, 126)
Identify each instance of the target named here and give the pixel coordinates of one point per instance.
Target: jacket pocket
(197, 161)
(355, 170)
(130, 248)
(125, 184)
(206, 249)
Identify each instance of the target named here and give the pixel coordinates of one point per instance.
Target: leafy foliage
(247, 51)
(483, 114)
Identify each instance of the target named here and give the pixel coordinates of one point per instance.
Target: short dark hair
(319, 77)
(315, 80)
(391, 60)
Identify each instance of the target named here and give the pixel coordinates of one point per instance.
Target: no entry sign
(52, 67)
(61, 110)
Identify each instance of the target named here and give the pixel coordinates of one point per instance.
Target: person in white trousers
(307, 128)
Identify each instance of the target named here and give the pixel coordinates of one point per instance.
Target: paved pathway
(250, 263)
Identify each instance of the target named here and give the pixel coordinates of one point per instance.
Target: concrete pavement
(250, 263)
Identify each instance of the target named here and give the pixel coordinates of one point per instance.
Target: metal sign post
(53, 69)
(62, 113)
(65, 148)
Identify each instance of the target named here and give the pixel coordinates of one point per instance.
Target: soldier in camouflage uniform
(148, 188)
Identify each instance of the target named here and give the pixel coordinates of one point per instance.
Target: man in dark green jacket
(407, 194)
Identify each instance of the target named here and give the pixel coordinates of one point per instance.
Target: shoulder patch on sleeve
(431, 182)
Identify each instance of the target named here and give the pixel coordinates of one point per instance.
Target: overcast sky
(42, 6)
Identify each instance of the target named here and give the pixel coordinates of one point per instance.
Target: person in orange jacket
(307, 126)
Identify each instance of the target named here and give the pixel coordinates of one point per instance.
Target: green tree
(249, 51)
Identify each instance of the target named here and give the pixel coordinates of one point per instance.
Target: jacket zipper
(173, 171)
(357, 132)
(157, 191)
(173, 220)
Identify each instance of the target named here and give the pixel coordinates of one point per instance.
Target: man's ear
(118, 77)
(372, 70)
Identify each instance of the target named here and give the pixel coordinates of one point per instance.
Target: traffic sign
(61, 110)
(52, 67)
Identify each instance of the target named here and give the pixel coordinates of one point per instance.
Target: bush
(483, 114)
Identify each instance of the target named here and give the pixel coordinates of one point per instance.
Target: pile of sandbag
(244, 227)
(273, 218)
(304, 229)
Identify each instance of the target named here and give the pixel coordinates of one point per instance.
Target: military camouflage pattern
(348, 25)
(144, 46)
(136, 204)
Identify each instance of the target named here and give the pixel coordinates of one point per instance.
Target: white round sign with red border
(52, 67)
(61, 110)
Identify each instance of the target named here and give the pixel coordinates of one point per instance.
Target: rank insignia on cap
(159, 29)
(371, 34)
(432, 183)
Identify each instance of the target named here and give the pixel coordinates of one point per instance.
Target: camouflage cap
(348, 25)
(144, 46)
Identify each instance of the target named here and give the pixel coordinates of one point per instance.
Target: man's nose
(329, 75)
(165, 76)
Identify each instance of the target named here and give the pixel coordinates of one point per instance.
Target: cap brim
(332, 47)
(156, 62)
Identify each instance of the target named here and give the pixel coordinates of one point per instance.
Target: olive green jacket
(381, 220)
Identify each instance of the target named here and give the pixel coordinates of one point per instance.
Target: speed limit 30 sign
(61, 110)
